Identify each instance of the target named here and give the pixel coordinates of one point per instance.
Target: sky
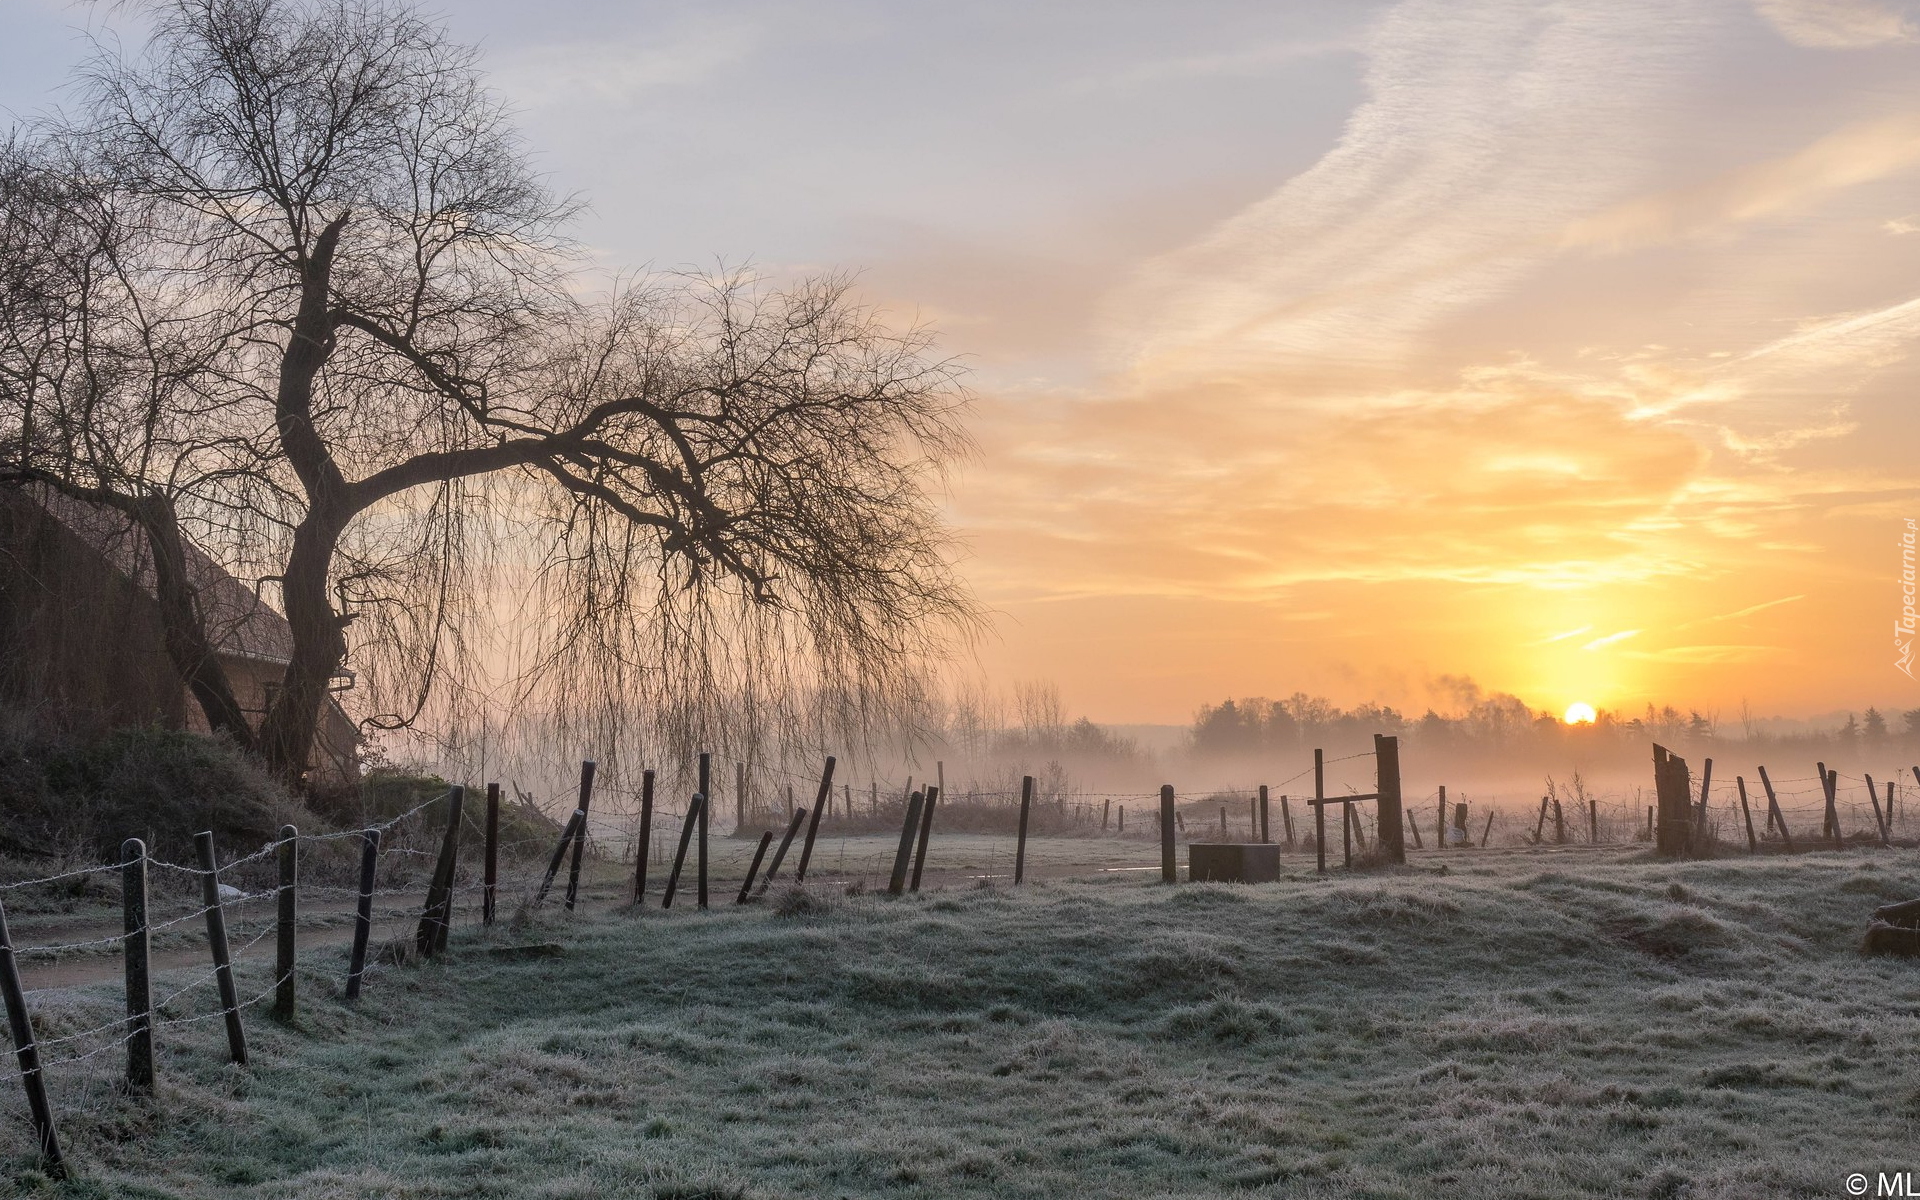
(1387, 351)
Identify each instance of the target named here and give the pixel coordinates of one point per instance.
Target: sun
(1580, 713)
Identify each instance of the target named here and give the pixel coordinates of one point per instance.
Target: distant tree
(701, 486)
(1874, 726)
(1849, 734)
(1911, 718)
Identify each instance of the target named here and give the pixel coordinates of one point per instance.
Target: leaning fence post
(1753, 842)
(1484, 833)
(567, 833)
(288, 914)
(1873, 795)
(646, 837)
(138, 947)
(1020, 847)
(687, 826)
(217, 939)
(1773, 807)
(490, 878)
(363, 912)
(786, 840)
(926, 835)
(821, 799)
(431, 935)
(28, 1052)
(1286, 820)
(903, 856)
(587, 770)
(759, 853)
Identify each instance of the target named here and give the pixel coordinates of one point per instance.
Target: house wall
(85, 651)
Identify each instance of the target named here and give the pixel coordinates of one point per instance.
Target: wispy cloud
(619, 71)
(1600, 643)
(1488, 128)
(1748, 611)
(1841, 24)
(1561, 637)
(1251, 60)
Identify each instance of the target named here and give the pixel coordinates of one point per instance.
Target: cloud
(1840, 24)
(1250, 60)
(620, 71)
(1600, 643)
(1704, 655)
(1488, 128)
(1749, 611)
(1561, 637)
(1861, 152)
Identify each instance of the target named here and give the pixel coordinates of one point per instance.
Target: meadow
(1581, 1022)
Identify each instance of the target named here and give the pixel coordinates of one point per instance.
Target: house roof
(238, 622)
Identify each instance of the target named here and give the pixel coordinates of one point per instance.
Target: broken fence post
(1746, 814)
(1773, 810)
(567, 833)
(431, 936)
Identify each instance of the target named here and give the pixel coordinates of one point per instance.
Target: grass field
(1519, 1024)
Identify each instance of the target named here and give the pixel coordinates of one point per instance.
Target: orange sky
(1344, 346)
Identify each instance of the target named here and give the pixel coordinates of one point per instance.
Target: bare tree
(703, 489)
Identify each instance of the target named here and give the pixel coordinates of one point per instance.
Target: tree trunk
(319, 647)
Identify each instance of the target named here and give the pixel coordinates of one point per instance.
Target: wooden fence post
(431, 936)
(926, 835)
(1347, 832)
(1873, 795)
(821, 799)
(793, 828)
(687, 826)
(490, 862)
(1746, 814)
(28, 1052)
(1559, 821)
(1169, 865)
(137, 945)
(288, 914)
(1121, 827)
(588, 768)
(700, 857)
(1391, 836)
(1832, 784)
(1540, 826)
(1440, 822)
(363, 911)
(1320, 810)
(1698, 843)
(217, 940)
(1106, 812)
(1773, 810)
(567, 833)
(1286, 820)
(1020, 846)
(1413, 827)
(903, 857)
(706, 807)
(1672, 791)
(646, 837)
(1266, 813)
(759, 853)
(1487, 830)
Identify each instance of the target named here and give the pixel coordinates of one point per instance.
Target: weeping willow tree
(699, 507)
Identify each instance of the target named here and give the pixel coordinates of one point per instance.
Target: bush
(69, 796)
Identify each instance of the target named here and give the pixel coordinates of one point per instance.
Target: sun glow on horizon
(1580, 713)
